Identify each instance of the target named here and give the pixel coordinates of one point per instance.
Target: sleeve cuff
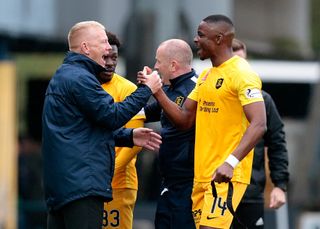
(282, 186)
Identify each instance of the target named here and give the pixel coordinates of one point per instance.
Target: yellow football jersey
(220, 122)
(125, 174)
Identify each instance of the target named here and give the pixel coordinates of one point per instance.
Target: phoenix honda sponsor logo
(208, 106)
(253, 93)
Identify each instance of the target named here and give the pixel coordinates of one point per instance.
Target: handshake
(149, 78)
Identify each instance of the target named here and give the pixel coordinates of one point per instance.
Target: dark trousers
(84, 213)
(251, 215)
(174, 208)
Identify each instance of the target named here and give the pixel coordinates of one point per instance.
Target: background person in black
(173, 62)
(251, 207)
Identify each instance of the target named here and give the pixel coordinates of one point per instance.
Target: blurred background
(283, 42)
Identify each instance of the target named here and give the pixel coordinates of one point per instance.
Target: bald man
(227, 108)
(80, 122)
(174, 208)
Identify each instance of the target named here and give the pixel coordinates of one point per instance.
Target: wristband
(232, 160)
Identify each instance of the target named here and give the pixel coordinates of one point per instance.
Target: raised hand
(149, 78)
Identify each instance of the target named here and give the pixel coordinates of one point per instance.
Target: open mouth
(109, 69)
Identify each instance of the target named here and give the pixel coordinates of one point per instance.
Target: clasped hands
(149, 78)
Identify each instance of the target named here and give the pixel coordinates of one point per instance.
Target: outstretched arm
(146, 138)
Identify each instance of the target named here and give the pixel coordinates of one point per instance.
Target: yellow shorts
(119, 212)
(213, 212)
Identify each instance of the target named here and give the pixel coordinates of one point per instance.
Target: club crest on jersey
(179, 100)
(219, 83)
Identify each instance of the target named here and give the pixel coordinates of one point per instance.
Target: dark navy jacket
(176, 154)
(79, 120)
(277, 152)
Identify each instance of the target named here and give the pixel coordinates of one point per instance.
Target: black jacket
(277, 153)
(79, 122)
(176, 154)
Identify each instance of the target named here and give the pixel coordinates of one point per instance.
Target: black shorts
(174, 208)
(84, 213)
(250, 214)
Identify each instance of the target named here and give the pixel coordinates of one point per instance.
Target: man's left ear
(85, 48)
(219, 38)
(173, 66)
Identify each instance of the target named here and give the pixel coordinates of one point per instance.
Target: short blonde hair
(78, 29)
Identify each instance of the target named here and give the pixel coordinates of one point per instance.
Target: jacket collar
(83, 61)
(174, 82)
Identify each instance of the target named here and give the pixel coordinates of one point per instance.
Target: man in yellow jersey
(251, 208)
(119, 212)
(228, 109)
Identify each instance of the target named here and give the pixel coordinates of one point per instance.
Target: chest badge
(219, 83)
(179, 100)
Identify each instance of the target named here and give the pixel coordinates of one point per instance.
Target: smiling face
(97, 45)
(163, 65)
(205, 40)
(89, 38)
(111, 60)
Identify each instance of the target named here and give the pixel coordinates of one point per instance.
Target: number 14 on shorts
(218, 205)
